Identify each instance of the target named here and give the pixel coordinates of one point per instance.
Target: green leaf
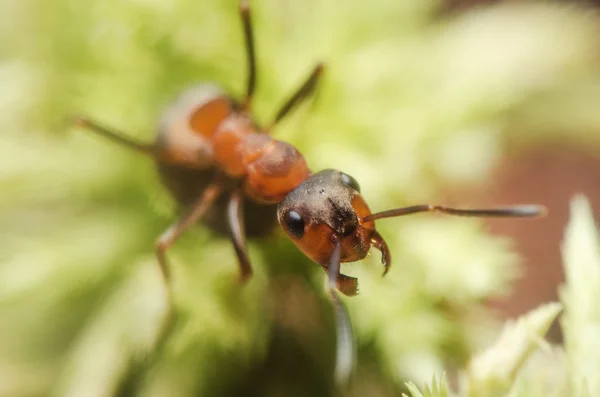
(437, 388)
(492, 372)
(580, 296)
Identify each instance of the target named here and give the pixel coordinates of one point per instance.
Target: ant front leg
(345, 340)
(345, 284)
(166, 240)
(235, 217)
(386, 258)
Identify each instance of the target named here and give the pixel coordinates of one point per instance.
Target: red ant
(209, 148)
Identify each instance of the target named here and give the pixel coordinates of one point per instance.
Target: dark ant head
(325, 208)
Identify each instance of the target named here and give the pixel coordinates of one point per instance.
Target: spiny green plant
(572, 370)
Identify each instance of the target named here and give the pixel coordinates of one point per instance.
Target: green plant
(410, 102)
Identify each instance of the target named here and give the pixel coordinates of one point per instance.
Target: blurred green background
(421, 101)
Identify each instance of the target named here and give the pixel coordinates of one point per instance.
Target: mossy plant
(411, 101)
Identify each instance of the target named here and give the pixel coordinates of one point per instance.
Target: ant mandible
(209, 148)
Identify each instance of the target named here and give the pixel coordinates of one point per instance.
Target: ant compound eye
(348, 180)
(294, 224)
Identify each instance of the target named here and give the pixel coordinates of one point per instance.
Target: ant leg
(303, 92)
(249, 41)
(235, 217)
(345, 284)
(166, 240)
(386, 259)
(345, 341)
(115, 136)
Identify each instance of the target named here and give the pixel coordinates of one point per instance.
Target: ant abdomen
(188, 124)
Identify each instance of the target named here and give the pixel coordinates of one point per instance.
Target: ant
(215, 159)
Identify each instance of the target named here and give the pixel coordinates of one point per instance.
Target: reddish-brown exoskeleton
(218, 163)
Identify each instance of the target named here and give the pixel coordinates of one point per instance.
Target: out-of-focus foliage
(493, 372)
(438, 388)
(409, 101)
(580, 295)
(503, 370)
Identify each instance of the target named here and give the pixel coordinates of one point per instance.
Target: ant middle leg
(235, 218)
(303, 92)
(299, 95)
(251, 58)
(115, 136)
(169, 236)
(166, 240)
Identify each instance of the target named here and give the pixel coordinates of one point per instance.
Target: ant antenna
(344, 357)
(249, 37)
(520, 211)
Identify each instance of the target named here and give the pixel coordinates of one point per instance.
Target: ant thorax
(205, 128)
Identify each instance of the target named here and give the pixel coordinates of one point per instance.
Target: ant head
(325, 208)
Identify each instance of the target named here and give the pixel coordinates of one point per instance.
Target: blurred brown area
(455, 5)
(550, 176)
(459, 5)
